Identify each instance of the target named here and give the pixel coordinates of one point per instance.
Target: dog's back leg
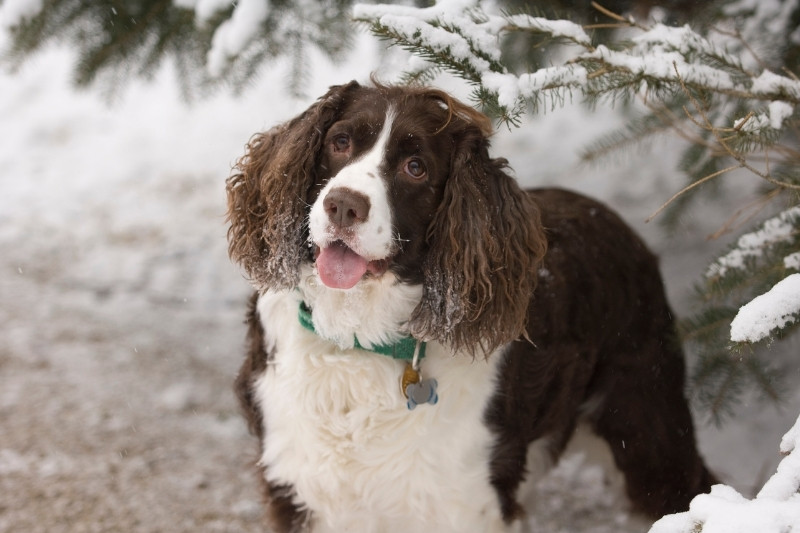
(645, 418)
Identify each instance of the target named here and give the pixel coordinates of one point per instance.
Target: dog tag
(421, 392)
(417, 390)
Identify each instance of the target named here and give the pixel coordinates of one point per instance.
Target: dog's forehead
(368, 103)
(374, 105)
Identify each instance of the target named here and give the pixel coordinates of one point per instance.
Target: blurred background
(121, 317)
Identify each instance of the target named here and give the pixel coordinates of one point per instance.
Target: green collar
(402, 349)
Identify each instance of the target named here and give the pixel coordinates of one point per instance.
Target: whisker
(396, 238)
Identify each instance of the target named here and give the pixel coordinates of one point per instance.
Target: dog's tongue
(340, 267)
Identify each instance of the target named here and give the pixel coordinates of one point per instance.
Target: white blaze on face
(347, 254)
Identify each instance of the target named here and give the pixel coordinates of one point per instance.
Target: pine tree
(209, 42)
(735, 107)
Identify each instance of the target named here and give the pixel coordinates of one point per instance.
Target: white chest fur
(338, 430)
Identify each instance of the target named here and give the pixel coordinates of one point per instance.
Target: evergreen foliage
(708, 85)
(115, 40)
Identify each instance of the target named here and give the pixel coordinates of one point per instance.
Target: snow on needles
(778, 307)
(752, 245)
(14, 12)
(785, 484)
(772, 311)
(557, 28)
(511, 88)
(776, 508)
(662, 53)
(470, 33)
(774, 117)
(477, 38)
(234, 34)
(431, 27)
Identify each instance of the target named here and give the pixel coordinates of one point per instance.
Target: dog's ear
(267, 193)
(486, 243)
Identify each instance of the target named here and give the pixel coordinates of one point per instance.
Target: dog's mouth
(339, 267)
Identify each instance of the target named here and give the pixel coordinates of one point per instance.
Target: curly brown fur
(267, 194)
(486, 243)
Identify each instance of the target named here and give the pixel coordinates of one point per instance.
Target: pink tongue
(340, 267)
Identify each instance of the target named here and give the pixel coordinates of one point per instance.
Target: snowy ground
(121, 317)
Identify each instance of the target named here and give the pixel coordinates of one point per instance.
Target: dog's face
(382, 180)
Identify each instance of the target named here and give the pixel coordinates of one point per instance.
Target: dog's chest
(338, 430)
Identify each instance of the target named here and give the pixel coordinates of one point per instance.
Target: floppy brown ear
(267, 193)
(486, 243)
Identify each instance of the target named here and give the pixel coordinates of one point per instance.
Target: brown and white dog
(397, 264)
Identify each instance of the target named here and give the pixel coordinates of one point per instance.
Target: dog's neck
(404, 348)
(416, 390)
(375, 311)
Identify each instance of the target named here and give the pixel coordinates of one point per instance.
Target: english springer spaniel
(423, 330)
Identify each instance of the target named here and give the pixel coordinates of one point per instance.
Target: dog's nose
(346, 207)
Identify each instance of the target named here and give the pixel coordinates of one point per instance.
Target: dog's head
(391, 181)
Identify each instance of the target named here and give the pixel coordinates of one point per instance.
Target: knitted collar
(402, 349)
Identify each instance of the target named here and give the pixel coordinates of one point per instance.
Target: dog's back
(609, 356)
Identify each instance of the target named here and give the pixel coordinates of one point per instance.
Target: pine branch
(117, 40)
(766, 380)
(717, 384)
(643, 127)
(709, 326)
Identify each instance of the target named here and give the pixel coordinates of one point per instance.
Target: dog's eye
(341, 143)
(415, 168)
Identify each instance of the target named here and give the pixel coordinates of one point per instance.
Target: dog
(423, 331)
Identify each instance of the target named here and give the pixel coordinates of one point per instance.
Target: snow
(680, 39)
(752, 245)
(775, 509)
(122, 315)
(557, 28)
(768, 83)
(784, 485)
(792, 261)
(233, 35)
(440, 8)
(726, 511)
(666, 64)
(511, 88)
(13, 12)
(766, 314)
(764, 22)
(777, 112)
(437, 38)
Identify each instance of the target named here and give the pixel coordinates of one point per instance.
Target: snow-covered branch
(466, 39)
(782, 228)
(233, 35)
(774, 245)
(769, 313)
(775, 509)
